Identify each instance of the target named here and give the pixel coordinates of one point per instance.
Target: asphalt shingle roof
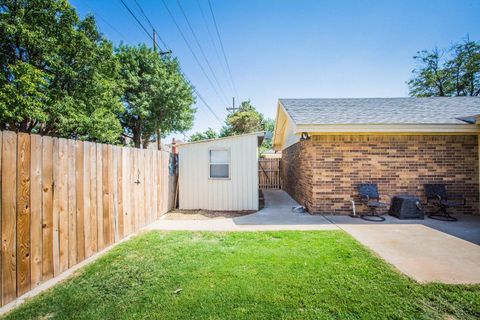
(438, 110)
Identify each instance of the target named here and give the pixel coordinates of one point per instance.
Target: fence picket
(23, 213)
(9, 210)
(36, 209)
(80, 210)
(93, 219)
(47, 208)
(72, 204)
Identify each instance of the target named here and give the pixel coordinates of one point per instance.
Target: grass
(257, 275)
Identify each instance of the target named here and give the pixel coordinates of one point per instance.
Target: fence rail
(269, 174)
(64, 200)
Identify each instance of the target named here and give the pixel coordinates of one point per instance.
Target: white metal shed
(220, 174)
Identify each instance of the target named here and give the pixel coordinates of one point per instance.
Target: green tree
(268, 126)
(245, 120)
(58, 74)
(157, 98)
(206, 135)
(452, 72)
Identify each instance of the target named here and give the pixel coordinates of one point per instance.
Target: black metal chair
(437, 196)
(370, 197)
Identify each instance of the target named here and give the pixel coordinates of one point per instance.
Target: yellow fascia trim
(279, 131)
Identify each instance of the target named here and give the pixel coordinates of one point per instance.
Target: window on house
(220, 164)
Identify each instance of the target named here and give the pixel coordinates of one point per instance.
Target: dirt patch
(204, 214)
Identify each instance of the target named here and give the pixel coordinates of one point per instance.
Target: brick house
(331, 145)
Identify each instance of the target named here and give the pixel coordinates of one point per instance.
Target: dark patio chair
(437, 196)
(370, 197)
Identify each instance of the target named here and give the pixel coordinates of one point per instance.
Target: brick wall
(398, 164)
(296, 171)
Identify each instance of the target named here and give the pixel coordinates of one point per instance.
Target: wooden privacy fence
(64, 200)
(269, 174)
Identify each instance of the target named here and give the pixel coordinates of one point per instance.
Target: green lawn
(257, 275)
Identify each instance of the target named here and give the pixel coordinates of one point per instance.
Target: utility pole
(233, 109)
(159, 137)
(154, 40)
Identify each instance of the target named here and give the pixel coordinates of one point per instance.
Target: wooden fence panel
(119, 182)
(115, 193)
(47, 208)
(60, 196)
(23, 213)
(106, 202)
(111, 221)
(80, 191)
(99, 180)
(9, 219)
(87, 203)
(36, 209)
(64, 200)
(141, 189)
(269, 174)
(72, 203)
(93, 218)
(125, 207)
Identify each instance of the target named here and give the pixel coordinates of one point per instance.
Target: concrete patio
(467, 227)
(426, 250)
(422, 253)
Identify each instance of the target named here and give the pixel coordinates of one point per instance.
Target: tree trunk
(137, 134)
(146, 142)
(159, 139)
(137, 139)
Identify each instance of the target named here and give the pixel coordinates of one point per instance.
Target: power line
(206, 104)
(191, 50)
(138, 21)
(223, 49)
(201, 49)
(212, 40)
(148, 20)
(189, 82)
(104, 20)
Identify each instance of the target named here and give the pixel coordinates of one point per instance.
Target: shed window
(220, 164)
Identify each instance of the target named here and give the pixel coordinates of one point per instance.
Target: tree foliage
(58, 73)
(452, 72)
(245, 120)
(156, 96)
(206, 135)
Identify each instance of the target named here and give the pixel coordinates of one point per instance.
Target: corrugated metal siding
(198, 191)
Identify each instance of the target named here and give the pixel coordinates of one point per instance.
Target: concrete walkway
(422, 253)
(276, 215)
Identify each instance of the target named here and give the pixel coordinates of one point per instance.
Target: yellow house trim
(281, 121)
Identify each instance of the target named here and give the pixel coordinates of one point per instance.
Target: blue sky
(295, 48)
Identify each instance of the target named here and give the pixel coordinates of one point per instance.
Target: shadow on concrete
(278, 211)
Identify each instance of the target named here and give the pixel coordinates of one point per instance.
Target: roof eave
(279, 130)
(388, 128)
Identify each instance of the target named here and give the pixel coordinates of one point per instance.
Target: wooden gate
(269, 174)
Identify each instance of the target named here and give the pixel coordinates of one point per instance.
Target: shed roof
(260, 135)
(437, 110)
